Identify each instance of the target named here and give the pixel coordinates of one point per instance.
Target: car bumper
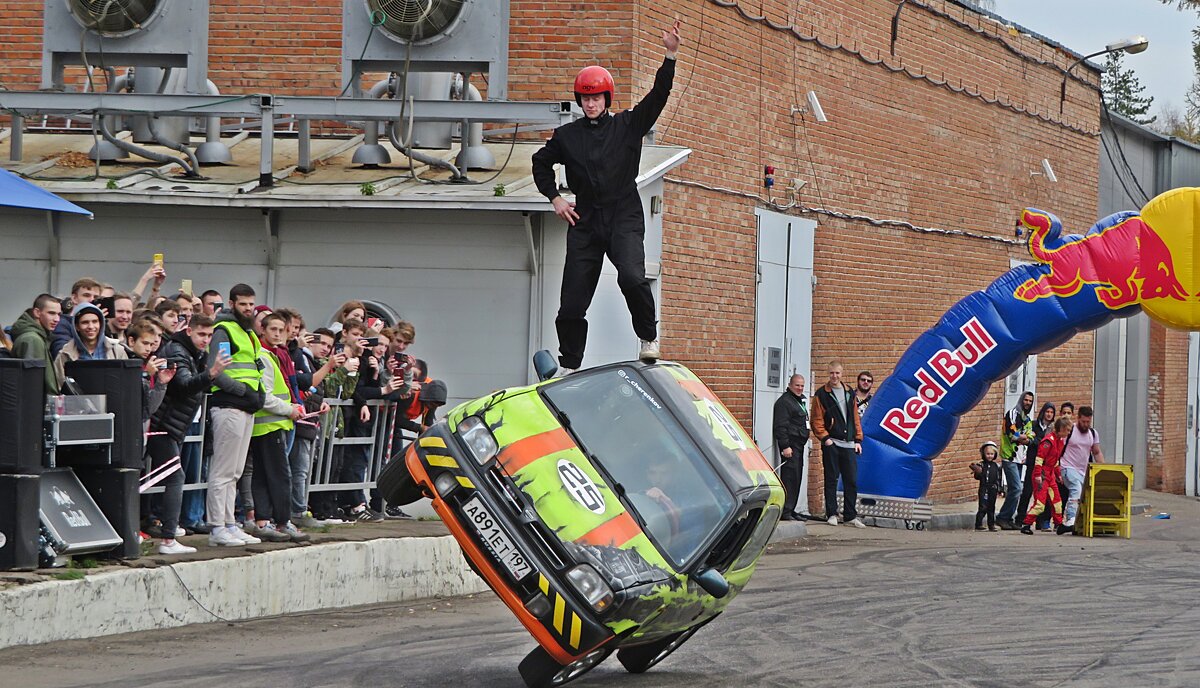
(563, 624)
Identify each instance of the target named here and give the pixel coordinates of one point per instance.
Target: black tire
(396, 484)
(640, 658)
(540, 670)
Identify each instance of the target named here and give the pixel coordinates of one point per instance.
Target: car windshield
(621, 422)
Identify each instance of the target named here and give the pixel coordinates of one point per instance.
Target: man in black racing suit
(602, 155)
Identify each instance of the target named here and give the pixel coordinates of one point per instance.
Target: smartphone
(339, 348)
(313, 338)
(224, 350)
(186, 287)
(218, 306)
(372, 341)
(158, 260)
(107, 304)
(162, 364)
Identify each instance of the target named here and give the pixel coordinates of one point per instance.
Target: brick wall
(1166, 417)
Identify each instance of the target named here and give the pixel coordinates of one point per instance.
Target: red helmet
(592, 80)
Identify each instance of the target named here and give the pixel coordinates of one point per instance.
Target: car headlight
(445, 484)
(590, 586)
(478, 438)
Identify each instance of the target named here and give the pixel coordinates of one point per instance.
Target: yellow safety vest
(244, 367)
(265, 421)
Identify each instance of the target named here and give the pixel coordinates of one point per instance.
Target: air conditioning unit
(164, 46)
(406, 36)
(126, 33)
(425, 43)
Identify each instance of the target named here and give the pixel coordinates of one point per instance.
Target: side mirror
(544, 365)
(712, 582)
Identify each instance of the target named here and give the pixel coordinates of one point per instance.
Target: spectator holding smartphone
(120, 316)
(187, 352)
(351, 310)
(237, 394)
(154, 277)
(212, 303)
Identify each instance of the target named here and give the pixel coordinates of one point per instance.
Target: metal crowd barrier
(381, 442)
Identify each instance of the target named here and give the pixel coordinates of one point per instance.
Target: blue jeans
(301, 461)
(194, 471)
(1012, 476)
(1074, 481)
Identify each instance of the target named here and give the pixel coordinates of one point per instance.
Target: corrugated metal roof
(57, 163)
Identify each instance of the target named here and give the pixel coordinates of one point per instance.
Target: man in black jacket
(186, 352)
(602, 155)
(790, 428)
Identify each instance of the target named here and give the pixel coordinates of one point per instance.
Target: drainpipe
(212, 151)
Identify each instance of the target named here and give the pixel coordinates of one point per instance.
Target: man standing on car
(789, 425)
(602, 155)
(836, 424)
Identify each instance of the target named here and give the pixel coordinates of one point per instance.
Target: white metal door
(783, 318)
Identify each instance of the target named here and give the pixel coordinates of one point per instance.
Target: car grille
(514, 501)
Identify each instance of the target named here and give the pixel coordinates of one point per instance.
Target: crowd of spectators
(268, 381)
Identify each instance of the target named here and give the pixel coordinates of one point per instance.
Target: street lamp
(1132, 45)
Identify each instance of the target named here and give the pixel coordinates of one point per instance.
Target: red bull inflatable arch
(1127, 262)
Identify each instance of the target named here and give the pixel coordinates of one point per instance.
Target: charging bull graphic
(1127, 262)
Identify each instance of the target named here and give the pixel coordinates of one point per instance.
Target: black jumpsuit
(602, 157)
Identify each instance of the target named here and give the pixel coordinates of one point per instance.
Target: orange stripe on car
(523, 452)
(753, 460)
(614, 532)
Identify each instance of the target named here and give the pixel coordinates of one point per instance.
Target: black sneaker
(363, 514)
(980, 528)
(395, 512)
(1027, 530)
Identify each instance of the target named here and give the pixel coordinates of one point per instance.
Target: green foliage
(112, 184)
(1123, 93)
(70, 574)
(499, 190)
(367, 189)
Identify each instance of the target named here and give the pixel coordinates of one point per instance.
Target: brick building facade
(938, 127)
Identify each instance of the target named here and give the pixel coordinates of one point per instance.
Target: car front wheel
(396, 484)
(640, 658)
(540, 670)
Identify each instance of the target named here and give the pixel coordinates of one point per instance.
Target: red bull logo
(1127, 262)
(948, 367)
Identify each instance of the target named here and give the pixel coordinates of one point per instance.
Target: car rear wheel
(640, 658)
(540, 670)
(396, 484)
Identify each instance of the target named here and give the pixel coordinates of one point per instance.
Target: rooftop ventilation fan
(114, 18)
(445, 36)
(417, 21)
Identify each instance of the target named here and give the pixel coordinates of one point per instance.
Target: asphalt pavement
(842, 607)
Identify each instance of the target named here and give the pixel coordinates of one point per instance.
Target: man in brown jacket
(836, 426)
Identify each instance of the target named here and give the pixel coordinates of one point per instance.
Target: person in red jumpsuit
(1046, 476)
(602, 153)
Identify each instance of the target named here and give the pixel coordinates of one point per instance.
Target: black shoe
(787, 517)
(1063, 530)
(201, 528)
(395, 512)
(993, 529)
(363, 514)
(980, 528)
(1027, 530)
(1007, 525)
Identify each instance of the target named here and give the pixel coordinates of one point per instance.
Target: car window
(709, 422)
(619, 419)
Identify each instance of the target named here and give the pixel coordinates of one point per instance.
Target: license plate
(495, 538)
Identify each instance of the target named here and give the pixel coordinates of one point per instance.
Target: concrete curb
(959, 521)
(300, 579)
(788, 530)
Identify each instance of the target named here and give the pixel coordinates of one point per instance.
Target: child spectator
(989, 475)
(1046, 476)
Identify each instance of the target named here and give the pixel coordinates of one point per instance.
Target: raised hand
(671, 38)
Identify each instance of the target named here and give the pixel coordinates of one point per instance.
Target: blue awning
(17, 192)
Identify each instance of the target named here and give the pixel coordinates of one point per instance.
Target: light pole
(1132, 45)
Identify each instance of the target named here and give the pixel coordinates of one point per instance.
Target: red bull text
(949, 367)
(1103, 260)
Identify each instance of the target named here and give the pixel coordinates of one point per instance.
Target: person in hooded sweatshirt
(88, 342)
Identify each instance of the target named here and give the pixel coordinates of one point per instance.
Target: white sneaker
(175, 547)
(648, 351)
(242, 535)
(179, 531)
(857, 522)
(224, 537)
(832, 520)
(563, 372)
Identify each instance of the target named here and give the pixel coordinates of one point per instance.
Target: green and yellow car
(619, 508)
